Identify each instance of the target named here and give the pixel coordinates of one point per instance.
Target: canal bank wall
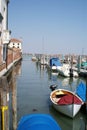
(13, 56)
(8, 95)
(6, 70)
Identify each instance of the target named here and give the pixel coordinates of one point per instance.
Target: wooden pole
(79, 63)
(71, 68)
(4, 103)
(14, 99)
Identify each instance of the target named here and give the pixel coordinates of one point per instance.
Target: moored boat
(66, 71)
(54, 64)
(34, 58)
(66, 102)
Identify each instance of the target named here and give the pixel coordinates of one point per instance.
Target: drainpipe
(6, 56)
(7, 29)
(7, 14)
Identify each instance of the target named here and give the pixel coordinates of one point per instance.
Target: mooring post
(79, 63)
(14, 99)
(4, 103)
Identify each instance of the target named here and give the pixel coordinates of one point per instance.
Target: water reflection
(66, 123)
(64, 82)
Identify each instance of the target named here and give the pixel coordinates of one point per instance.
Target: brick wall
(17, 54)
(12, 56)
(2, 66)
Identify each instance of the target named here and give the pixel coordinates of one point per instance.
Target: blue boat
(55, 61)
(38, 122)
(54, 64)
(81, 91)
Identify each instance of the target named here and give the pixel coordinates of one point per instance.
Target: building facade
(4, 32)
(8, 54)
(15, 43)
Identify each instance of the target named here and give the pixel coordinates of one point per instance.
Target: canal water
(33, 94)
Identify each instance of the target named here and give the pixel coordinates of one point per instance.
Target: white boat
(34, 58)
(64, 70)
(66, 102)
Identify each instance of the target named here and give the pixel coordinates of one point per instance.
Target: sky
(49, 26)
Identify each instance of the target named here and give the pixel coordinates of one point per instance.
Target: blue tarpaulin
(81, 91)
(55, 61)
(38, 122)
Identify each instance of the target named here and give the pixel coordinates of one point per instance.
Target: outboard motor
(53, 87)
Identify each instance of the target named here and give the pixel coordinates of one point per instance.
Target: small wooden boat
(38, 122)
(66, 102)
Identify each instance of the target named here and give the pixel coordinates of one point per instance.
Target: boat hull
(67, 109)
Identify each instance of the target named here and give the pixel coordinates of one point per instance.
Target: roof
(15, 40)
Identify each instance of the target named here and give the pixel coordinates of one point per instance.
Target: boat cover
(38, 122)
(69, 99)
(55, 62)
(81, 91)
